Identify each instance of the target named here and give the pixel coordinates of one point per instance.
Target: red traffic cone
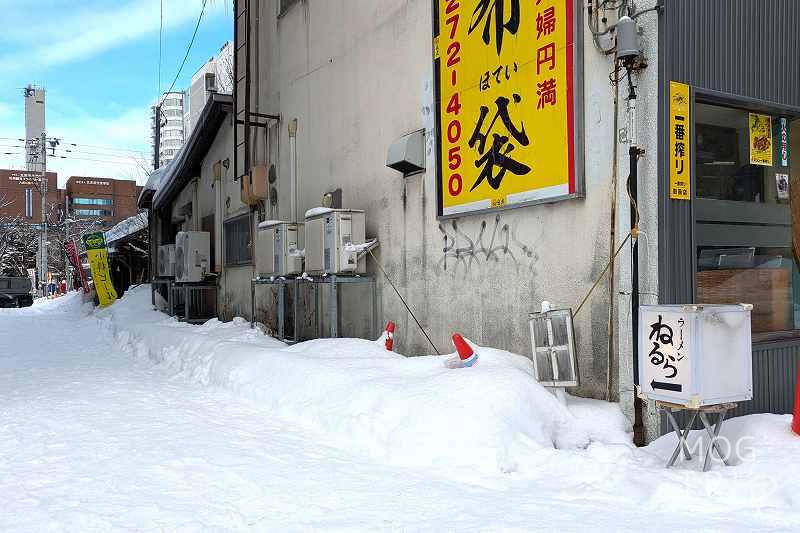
(389, 335)
(466, 354)
(796, 416)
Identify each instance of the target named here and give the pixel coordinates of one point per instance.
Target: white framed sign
(664, 353)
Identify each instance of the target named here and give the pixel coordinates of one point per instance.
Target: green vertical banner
(97, 253)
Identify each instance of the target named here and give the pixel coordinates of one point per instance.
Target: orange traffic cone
(389, 335)
(466, 355)
(796, 417)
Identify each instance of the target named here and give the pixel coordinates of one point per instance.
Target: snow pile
(408, 411)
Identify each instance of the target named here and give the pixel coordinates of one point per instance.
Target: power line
(124, 163)
(110, 148)
(160, 31)
(189, 48)
(105, 154)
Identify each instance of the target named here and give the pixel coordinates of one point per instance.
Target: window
(743, 217)
(237, 241)
(29, 203)
(93, 212)
(92, 201)
(211, 82)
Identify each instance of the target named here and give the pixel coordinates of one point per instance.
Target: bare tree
(19, 242)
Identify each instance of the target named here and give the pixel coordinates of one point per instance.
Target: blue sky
(98, 61)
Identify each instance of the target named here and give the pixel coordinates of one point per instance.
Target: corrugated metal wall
(747, 48)
(774, 379)
(744, 47)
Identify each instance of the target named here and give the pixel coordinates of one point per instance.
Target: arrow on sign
(677, 387)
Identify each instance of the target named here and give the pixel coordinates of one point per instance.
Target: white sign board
(665, 356)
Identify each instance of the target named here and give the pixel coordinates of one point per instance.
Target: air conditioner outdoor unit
(166, 261)
(279, 248)
(330, 238)
(191, 256)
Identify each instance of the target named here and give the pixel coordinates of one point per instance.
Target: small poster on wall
(782, 185)
(760, 140)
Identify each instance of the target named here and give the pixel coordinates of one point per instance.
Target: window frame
(712, 212)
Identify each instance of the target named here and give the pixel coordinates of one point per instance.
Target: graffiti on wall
(495, 241)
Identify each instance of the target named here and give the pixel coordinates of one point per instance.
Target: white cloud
(78, 33)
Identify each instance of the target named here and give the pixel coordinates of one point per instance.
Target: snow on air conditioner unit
(166, 261)
(191, 256)
(279, 248)
(331, 236)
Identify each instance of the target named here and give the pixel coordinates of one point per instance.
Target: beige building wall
(357, 75)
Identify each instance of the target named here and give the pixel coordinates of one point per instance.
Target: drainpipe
(218, 216)
(293, 168)
(195, 205)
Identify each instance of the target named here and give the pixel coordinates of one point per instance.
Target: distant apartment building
(216, 75)
(171, 125)
(181, 109)
(34, 125)
(21, 197)
(107, 199)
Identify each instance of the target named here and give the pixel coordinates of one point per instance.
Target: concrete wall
(357, 74)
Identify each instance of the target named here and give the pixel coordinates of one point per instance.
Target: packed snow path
(93, 439)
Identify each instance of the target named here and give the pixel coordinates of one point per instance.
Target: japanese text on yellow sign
(760, 140)
(98, 262)
(505, 102)
(680, 141)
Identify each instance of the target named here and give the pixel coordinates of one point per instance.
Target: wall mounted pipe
(293, 168)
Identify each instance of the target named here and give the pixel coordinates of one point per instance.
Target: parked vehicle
(15, 292)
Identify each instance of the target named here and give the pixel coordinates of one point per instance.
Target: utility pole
(67, 221)
(43, 242)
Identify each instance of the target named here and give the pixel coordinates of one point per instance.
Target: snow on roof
(129, 226)
(154, 182)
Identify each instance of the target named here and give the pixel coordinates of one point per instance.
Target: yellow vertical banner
(98, 261)
(680, 142)
(760, 139)
(505, 103)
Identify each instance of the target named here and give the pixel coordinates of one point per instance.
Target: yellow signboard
(505, 103)
(680, 141)
(98, 261)
(760, 140)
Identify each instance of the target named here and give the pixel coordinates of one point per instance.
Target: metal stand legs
(712, 430)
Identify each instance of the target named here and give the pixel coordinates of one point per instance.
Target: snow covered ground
(123, 419)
